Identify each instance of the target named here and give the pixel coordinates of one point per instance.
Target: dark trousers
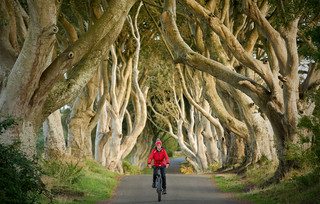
(163, 176)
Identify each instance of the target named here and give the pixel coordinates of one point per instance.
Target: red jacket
(159, 158)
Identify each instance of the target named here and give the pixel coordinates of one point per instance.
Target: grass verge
(295, 188)
(229, 183)
(285, 192)
(91, 184)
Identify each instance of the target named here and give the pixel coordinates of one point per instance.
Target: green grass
(94, 184)
(285, 192)
(229, 183)
(97, 183)
(302, 188)
(259, 174)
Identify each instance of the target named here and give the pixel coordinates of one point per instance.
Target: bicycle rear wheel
(159, 186)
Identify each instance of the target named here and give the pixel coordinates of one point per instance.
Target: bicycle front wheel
(159, 186)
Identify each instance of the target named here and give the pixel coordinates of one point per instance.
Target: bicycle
(158, 181)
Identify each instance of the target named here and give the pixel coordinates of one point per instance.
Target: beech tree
(181, 120)
(33, 86)
(242, 134)
(278, 97)
(235, 117)
(117, 144)
(213, 137)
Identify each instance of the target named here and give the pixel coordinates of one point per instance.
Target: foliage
(20, 176)
(169, 143)
(187, 169)
(8, 122)
(308, 180)
(311, 156)
(178, 154)
(311, 50)
(66, 173)
(128, 168)
(307, 150)
(288, 11)
(214, 167)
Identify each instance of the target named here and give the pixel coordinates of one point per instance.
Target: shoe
(164, 191)
(153, 185)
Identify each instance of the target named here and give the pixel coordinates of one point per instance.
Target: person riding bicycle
(160, 158)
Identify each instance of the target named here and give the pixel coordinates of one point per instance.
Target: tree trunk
(120, 145)
(22, 80)
(103, 134)
(210, 140)
(79, 127)
(141, 151)
(189, 154)
(113, 155)
(54, 142)
(261, 137)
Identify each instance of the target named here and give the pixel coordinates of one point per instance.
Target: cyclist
(160, 158)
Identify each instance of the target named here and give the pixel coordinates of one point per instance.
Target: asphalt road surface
(181, 188)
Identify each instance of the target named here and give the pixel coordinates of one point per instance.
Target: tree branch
(213, 120)
(184, 54)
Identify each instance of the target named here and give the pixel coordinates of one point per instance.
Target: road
(181, 188)
(175, 165)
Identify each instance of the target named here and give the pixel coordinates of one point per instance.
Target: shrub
(312, 124)
(307, 151)
(187, 169)
(20, 177)
(307, 180)
(214, 167)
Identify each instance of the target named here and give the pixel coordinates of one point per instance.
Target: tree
(118, 145)
(32, 86)
(220, 96)
(278, 99)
